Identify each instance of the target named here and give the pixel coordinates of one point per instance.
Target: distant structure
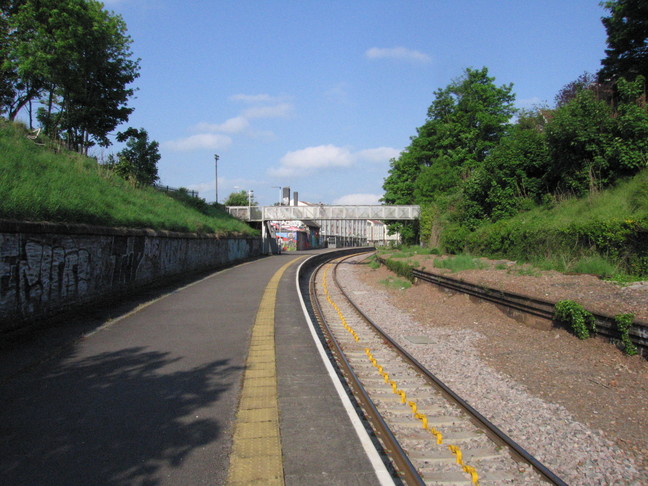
(301, 225)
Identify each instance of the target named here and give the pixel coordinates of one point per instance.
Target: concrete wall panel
(46, 268)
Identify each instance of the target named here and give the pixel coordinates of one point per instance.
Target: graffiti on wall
(34, 272)
(39, 273)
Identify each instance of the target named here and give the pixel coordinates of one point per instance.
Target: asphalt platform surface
(150, 396)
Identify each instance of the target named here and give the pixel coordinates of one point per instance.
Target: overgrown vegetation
(374, 264)
(580, 321)
(37, 184)
(623, 324)
(404, 269)
(72, 58)
(567, 183)
(459, 263)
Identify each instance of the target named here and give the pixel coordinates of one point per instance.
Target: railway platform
(217, 382)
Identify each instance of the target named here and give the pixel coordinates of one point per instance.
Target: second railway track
(430, 435)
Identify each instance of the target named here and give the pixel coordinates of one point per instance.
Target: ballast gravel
(452, 348)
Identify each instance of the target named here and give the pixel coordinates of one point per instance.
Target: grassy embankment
(605, 234)
(37, 184)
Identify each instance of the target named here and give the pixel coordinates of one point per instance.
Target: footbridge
(320, 212)
(346, 220)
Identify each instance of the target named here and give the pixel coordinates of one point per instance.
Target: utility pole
(216, 181)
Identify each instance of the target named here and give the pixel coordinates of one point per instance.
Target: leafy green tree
(137, 162)
(578, 135)
(399, 183)
(464, 123)
(466, 120)
(240, 198)
(627, 152)
(627, 34)
(570, 90)
(77, 56)
(512, 175)
(11, 86)
(592, 143)
(399, 189)
(7, 72)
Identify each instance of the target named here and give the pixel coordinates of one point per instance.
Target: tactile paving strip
(256, 451)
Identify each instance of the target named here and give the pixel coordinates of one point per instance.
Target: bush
(623, 324)
(580, 321)
(459, 263)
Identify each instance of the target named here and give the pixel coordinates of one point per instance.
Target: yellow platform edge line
(267, 469)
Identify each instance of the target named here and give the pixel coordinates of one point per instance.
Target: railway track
(430, 434)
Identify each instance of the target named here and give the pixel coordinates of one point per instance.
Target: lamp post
(216, 157)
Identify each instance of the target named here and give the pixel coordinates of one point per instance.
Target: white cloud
(205, 186)
(379, 154)
(212, 135)
(311, 159)
(232, 125)
(302, 162)
(199, 141)
(399, 53)
(280, 110)
(338, 93)
(358, 199)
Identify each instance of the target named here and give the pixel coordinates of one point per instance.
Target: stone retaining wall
(46, 268)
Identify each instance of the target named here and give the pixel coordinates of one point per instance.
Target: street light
(250, 194)
(216, 157)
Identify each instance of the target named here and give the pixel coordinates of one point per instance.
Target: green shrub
(580, 321)
(459, 263)
(374, 263)
(404, 269)
(623, 324)
(595, 265)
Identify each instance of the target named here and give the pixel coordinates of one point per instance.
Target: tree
(592, 143)
(465, 121)
(77, 56)
(399, 184)
(627, 34)
(512, 175)
(137, 162)
(569, 91)
(240, 198)
(9, 83)
(578, 135)
(627, 152)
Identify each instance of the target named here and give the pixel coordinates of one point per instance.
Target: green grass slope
(604, 233)
(37, 184)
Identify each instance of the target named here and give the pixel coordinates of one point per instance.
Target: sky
(319, 95)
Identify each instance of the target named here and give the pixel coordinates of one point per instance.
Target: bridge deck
(323, 212)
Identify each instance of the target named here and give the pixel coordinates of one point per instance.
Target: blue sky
(319, 95)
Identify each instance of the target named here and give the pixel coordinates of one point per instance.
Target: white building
(341, 233)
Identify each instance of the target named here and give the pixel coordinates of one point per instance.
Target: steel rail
(530, 305)
(405, 469)
(492, 430)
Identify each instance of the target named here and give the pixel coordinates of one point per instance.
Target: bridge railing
(322, 212)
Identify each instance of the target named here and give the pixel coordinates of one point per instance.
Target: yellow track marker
(256, 450)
